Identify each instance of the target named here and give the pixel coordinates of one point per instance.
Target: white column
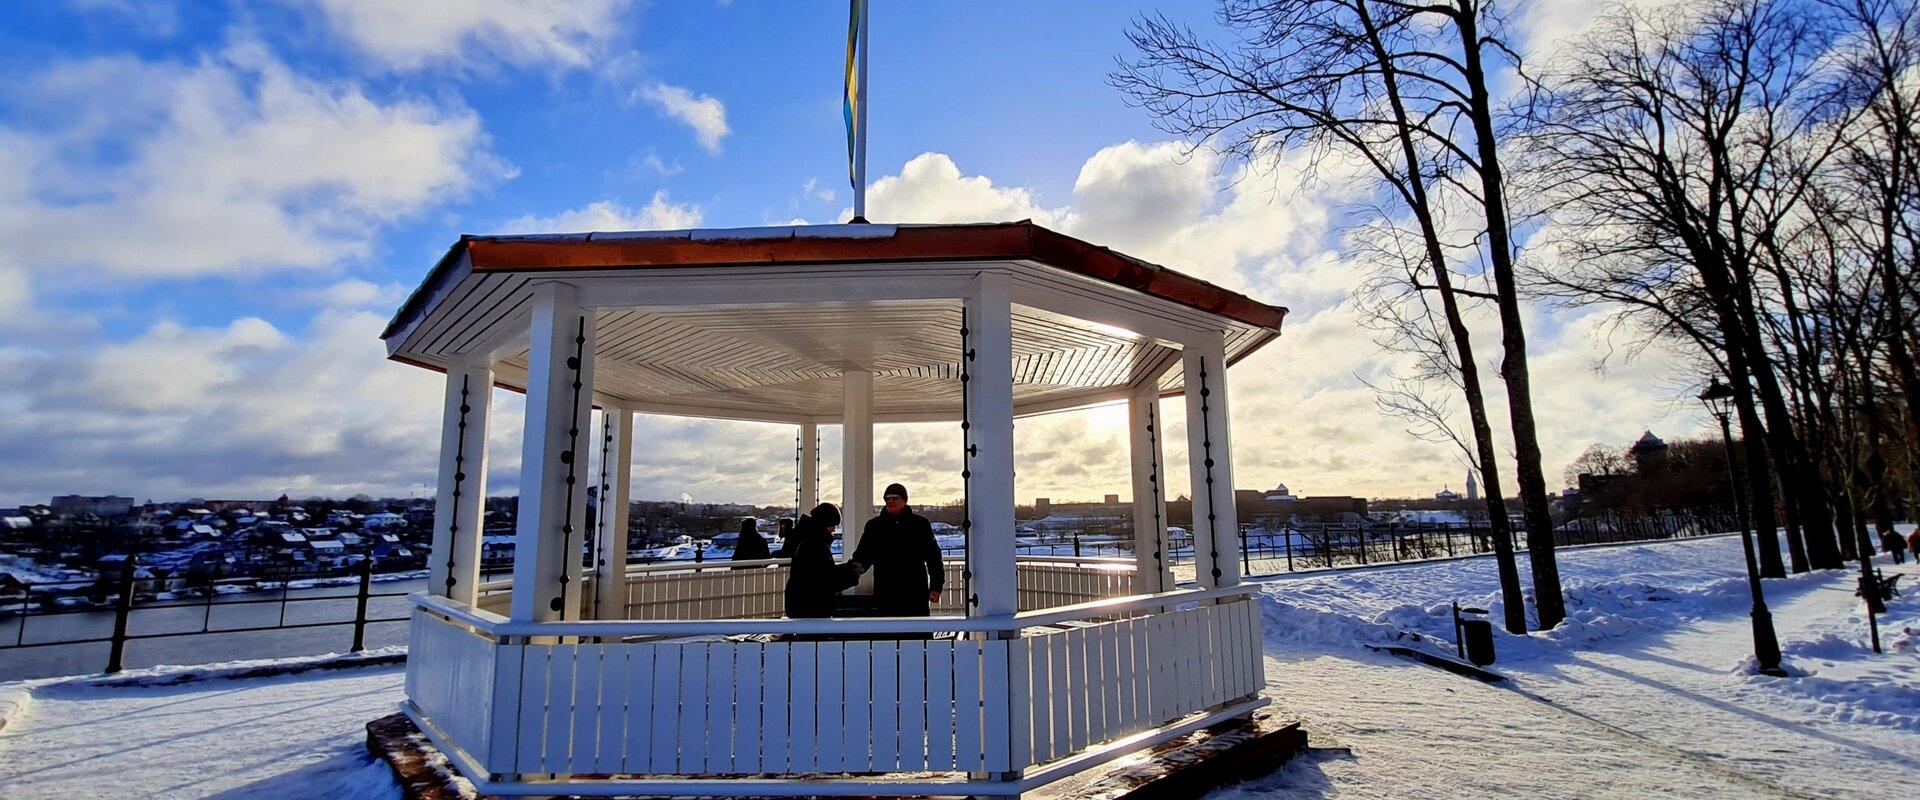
(1153, 565)
(989, 461)
(809, 468)
(616, 479)
(856, 456)
(460, 507)
(1216, 530)
(553, 457)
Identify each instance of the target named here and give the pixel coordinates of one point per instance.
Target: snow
(1647, 691)
(1649, 688)
(298, 736)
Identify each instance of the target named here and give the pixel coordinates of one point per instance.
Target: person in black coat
(813, 579)
(899, 547)
(751, 546)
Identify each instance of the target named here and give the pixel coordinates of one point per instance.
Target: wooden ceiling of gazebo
(764, 359)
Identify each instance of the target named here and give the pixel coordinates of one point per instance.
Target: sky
(209, 210)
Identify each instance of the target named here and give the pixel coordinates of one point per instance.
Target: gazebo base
(1184, 766)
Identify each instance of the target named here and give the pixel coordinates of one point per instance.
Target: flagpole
(860, 124)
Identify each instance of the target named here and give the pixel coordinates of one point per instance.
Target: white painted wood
(1078, 674)
(664, 735)
(583, 750)
(989, 469)
(1215, 524)
(616, 489)
(638, 751)
(692, 734)
(749, 729)
(502, 749)
(884, 678)
(912, 750)
(966, 706)
(721, 684)
(552, 512)
(1057, 690)
(460, 503)
(829, 702)
(775, 706)
(803, 723)
(856, 459)
(856, 716)
(1153, 564)
(1097, 682)
(809, 468)
(940, 706)
(535, 682)
(996, 719)
(1020, 705)
(1040, 693)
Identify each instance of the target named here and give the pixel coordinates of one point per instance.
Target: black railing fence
(208, 605)
(181, 607)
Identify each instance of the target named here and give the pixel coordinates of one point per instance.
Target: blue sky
(208, 208)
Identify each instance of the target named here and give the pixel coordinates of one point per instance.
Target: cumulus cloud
(425, 33)
(703, 113)
(930, 189)
(660, 213)
(229, 164)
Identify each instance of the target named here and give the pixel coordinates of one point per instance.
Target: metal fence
(1261, 551)
(130, 597)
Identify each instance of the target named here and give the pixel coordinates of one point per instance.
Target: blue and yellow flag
(852, 96)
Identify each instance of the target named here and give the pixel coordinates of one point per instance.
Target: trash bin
(1477, 635)
(1472, 635)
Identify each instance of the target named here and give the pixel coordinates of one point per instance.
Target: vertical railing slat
(940, 711)
(885, 679)
(966, 706)
(912, 659)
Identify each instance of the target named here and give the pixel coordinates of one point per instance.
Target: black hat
(893, 489)
(825, 515)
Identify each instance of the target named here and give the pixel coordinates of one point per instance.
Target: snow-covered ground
(191, 733)
(1645, 692)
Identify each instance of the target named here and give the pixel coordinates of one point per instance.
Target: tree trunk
(1512, 599)
(1547, 597)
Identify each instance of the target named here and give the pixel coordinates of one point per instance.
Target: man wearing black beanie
(899, 547)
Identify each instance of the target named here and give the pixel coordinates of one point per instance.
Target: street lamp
(1718, 399)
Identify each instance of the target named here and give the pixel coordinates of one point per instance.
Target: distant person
(1895, 546)
(898, 546)
(1913, 542)
(785, 532)
(813, 579)
(751, 546)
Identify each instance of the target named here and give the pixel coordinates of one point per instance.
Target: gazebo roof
(758, 323)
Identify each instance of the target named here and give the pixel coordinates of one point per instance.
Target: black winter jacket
(905, 559)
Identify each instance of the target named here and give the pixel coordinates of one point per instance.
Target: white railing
(683, 698)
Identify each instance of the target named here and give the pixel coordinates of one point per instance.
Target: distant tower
(1649, 453)
(1473, 487)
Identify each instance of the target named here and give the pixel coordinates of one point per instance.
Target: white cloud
(930, 188)
(704, 113)
(412, 34)
(231, 164)
(356, 293)
(659, 213)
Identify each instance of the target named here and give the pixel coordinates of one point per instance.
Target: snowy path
(291, 737)
(1381, 727)
(1643, 693)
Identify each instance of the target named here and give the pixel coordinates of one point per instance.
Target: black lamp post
(1766, 646)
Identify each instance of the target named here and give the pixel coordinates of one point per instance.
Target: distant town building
(1447, 495)
(1280, 494)
(1113, 500)
(1473, 486)
(79, 505)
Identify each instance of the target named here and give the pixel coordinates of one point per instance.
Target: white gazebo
(585, 676)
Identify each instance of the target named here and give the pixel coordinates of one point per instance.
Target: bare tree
(1398, 90)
